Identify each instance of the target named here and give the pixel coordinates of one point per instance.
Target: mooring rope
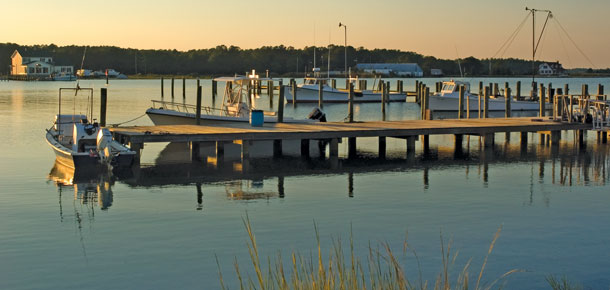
(121, 123)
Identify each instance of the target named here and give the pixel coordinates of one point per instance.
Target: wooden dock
(332, 132)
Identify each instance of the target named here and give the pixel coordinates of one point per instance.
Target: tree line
(229, 60)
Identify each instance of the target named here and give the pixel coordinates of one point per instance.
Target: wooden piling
(321, 95)
(542, 99)
(523, 140)
(417, 92)
(384, 89)
(198, 107)
(162, 88)
(559, 104)
(533, 91)
(411, 145)
(183, 88)
(399, 86)
(600, 92)
(214, 89)
(103, 102)
(488, 140)
(496, 91)
(382, 146)
(333, 83)
(294, 93)
(461, 102)
(486, 103)
(518, 91)
(172, 88)
(351, 146)
(468, 106)
(426, 104)
(350, 104)
(270, 90)
(280, 104)
(305, 148)
(194, 150)
(480, 98)
(507, 101)
(277, 148)
(333, 147)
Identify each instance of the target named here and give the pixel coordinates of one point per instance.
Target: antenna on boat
(458, 60)
(534, 43)
(328, 72)
(82, 63)
(314, 45)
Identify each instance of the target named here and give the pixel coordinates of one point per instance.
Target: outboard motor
(104, 138)
(317, 114)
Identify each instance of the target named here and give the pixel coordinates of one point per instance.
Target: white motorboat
(63, 76)
(236, 107)
(78, 143)
(309, 90)
(448, 100)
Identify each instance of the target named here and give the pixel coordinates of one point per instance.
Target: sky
(440, 28)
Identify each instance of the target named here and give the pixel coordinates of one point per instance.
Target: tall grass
(562, 283)
(381, 268)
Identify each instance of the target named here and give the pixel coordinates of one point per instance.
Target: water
(161, 226)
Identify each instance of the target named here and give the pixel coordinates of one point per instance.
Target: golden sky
(441, 28)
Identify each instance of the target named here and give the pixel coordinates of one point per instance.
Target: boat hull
(309, 95)
(72, 159)
(85, 160)
(170, 117)
(450, 104)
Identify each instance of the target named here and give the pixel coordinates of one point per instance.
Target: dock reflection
(566, 165)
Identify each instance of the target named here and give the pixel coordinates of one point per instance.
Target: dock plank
(284, 131)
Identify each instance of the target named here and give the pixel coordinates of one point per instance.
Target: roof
(409, 67)
(27, 54)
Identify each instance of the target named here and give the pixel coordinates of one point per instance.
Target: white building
(37, 66)
(399, 69)
(550, 68)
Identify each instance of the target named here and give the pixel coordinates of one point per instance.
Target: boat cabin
(75, 132)
(315, 81)
(451, 87)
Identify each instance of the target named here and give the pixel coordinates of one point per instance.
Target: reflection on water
(89, 187)
(566, 165)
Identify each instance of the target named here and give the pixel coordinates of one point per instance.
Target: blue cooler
(257, 118)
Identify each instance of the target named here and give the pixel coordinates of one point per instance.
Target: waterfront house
(398, 69)
(37, 67)
(550, 69)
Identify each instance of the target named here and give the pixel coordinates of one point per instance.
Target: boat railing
(188, 108)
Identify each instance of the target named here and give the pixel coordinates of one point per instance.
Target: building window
(45, 70)
(31, 70)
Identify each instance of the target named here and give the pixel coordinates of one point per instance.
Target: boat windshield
(315, 81)
(448, 87)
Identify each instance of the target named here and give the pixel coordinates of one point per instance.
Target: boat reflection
(89, 187)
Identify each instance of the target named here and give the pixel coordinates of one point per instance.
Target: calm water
(160, 226)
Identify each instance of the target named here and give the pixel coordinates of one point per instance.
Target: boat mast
(534, 44)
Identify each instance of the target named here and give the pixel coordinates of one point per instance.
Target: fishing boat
(81, 144)
(448, 100)
(237, 105)
(309, 90)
